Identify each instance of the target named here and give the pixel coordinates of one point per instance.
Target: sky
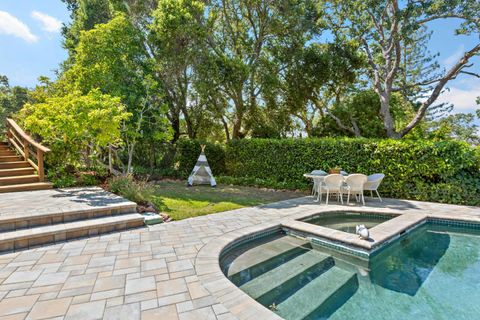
(30, 46)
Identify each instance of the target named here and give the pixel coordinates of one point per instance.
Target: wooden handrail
(22, 142)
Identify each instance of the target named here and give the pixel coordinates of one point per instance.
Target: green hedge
(187, 155)
(444, 171)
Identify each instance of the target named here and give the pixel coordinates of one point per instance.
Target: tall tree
(385, 28)
(245, 38)
(320, 78)
(176, 43)
(111, 57)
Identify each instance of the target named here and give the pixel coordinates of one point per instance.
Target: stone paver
(58, 200)
(168, 271)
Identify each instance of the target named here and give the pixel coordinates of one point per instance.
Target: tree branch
(451, 74)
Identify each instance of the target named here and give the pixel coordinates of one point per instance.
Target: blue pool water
(431, 273)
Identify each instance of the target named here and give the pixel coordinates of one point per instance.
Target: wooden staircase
(21, 162)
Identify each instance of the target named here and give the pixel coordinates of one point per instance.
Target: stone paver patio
(168, 271)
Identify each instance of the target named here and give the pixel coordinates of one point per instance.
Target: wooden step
(26, 187)
(6, 181)
(16, 172)
(7, 152)
(28, 238)
(10, 158)
(14, 165)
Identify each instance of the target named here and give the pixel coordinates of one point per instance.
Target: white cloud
(49, 23)
(462, 95)
(10, 25)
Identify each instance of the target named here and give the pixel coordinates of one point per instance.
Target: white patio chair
(355, 185)
(373, 183)
(315, 181)
(333, 185)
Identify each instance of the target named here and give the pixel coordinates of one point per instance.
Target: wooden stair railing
(27, 146)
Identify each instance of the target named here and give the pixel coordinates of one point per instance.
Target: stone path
(147, 273)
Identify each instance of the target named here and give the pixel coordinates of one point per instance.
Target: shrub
(442, 171)
(134, 190)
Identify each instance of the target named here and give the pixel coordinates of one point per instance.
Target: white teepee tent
(201, 173)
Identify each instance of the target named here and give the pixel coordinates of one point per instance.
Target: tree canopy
(229, 69)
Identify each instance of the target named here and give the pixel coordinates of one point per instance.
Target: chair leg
(348, 197)
(341, 196)
(363, 199)
(371, 194)
(326, 201)
(379, 196)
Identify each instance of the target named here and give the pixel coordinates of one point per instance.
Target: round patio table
(318, 181)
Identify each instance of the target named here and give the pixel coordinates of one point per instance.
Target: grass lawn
(181, 202)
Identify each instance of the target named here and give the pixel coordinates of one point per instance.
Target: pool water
(347, 221)
(431, 273)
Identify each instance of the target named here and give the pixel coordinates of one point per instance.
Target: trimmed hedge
(443, 171)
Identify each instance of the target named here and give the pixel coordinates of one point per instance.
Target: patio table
(319, 178)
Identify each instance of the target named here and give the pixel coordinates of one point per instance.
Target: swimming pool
(347, 221)
(430, 273)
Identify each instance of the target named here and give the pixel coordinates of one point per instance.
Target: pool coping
(207, 262)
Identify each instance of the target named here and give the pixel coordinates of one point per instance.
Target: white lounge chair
(333, 185)
(355, 185)
(373, 183)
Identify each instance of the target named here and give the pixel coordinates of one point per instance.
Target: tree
(85, 14)
(460, 126)
(76, 127)
(176, 43)
(385, 29)
(12, 99)
(320, 78)
(358, 114)
(250, 44)
(111, 57)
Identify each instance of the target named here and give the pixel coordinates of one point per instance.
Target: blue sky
(30, 46)
(23, 56)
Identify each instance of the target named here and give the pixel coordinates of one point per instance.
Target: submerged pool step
(321, 296)
(264, 258)
(271, 286)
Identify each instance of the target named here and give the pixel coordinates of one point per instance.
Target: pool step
(321, 296)
(269, 287)
(265, 257)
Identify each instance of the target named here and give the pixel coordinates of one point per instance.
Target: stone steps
(33, 218)
(28, 238)
(18, 221)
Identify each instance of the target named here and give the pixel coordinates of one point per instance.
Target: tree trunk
(388, 123)
(175, 122)
(225, 127)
